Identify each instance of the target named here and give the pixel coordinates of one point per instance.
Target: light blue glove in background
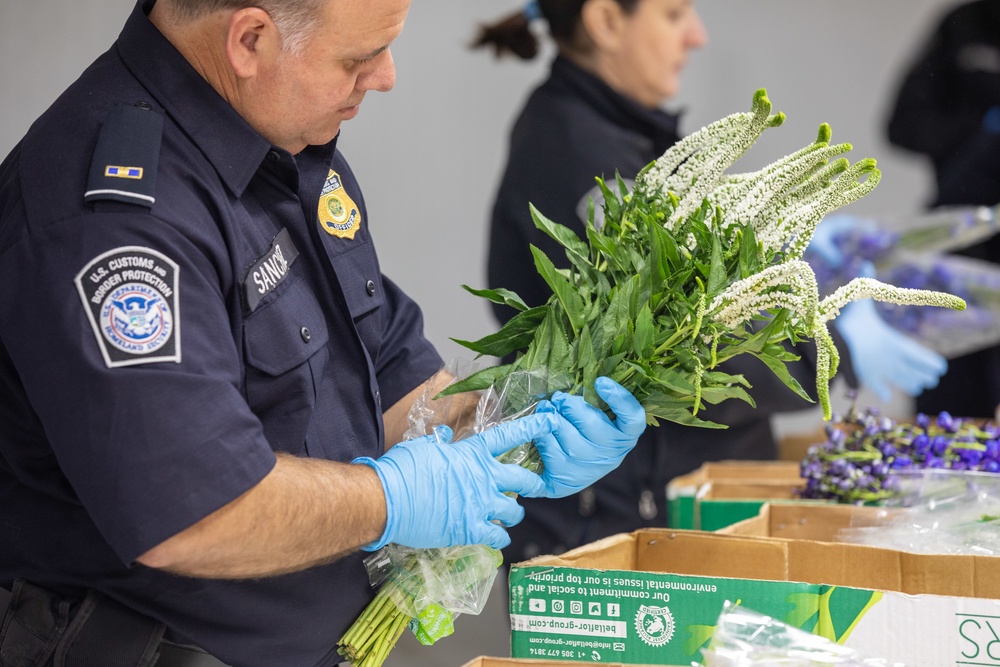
(824, 240)
(883, 357)
(586, 445)
(441, 494)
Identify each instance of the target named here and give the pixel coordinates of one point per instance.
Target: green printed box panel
(715, 514)
(680, 512)
(657, 619)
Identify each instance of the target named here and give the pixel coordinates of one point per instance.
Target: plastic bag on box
(949, 332)
(938, 511)
(745, 638)
(434, 586)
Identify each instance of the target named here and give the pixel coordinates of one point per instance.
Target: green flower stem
(369, 640)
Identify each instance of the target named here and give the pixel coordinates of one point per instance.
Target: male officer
(196, 345)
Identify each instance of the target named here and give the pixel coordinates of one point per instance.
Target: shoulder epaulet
(124, 163)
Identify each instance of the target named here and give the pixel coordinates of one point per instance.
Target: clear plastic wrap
(745, 638)
(951, 333)
(434, 586)
(909, 251)
(938, 511)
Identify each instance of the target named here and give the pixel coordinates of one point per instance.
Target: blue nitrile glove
(441, 494)
(824, 242)
(586, 445)
(882, 357)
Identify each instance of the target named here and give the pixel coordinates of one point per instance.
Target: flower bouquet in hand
(691, 267)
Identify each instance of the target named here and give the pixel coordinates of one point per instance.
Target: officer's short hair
(295, 19)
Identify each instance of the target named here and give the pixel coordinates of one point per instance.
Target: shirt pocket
(361, 281)
(285, 343)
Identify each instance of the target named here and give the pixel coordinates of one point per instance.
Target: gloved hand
(883, 357)
(585, 444)
(824, 242)
(439, 493)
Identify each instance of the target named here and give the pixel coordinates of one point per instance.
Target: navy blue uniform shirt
(213, 301)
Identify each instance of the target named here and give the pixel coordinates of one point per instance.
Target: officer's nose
(381, 77)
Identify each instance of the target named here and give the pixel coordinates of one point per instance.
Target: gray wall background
(429, 153)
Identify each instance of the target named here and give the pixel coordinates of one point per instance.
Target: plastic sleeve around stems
(457, 579)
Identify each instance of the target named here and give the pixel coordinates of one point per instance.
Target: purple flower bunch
(864, 453)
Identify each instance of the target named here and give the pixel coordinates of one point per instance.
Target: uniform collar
(234, 148)
(660, 126)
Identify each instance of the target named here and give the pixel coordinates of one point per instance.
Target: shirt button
(304, 332)
(144, 105)
(370, 287)
(273, 156)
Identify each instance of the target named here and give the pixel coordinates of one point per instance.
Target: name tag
(270, 270)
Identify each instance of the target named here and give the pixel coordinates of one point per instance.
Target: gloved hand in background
(883, 357)
(440, 493)
(831, 236)
(586, 445)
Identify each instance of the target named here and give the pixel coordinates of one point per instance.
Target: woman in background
(599, 113)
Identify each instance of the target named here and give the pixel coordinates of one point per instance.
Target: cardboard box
(731, 490)
(654, 596)
(793, 447)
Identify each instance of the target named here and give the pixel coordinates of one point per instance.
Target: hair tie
(532, 11)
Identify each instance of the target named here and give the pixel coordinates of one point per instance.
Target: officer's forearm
(458, 411)
(304, 513)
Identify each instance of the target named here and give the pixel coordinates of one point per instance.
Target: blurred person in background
(600, 112)
(948, 108)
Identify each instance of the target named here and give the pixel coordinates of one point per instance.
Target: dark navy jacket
(948, 109)
(575, 127)
(213, 301)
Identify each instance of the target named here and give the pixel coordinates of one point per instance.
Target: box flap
(732, 470)
(615, 552)
(753, 490)
(705, 554)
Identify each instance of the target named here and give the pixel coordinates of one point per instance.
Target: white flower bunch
(783, 203)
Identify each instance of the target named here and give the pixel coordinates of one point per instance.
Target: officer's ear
(604, 23)
(252, 39)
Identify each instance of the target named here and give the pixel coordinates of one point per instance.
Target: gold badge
(338, 214)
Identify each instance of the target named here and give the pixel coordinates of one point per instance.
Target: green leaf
(606, 247)
(720, 378)
(673, 379)
(585, 357)
(613, 324)
(560, 350)
(749, 255)
(501, 296)
(567, 295)
(781, 371)
(642, 342)
(577, 251)
(612, 207)
(715, 395)
(515, 335)
(478, 381)
(676, 410)
(717, 275)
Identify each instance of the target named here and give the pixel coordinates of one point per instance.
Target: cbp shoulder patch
(124, 164)
(130, 295)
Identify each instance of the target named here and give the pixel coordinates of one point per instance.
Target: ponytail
(509, 36)
(513, 35)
